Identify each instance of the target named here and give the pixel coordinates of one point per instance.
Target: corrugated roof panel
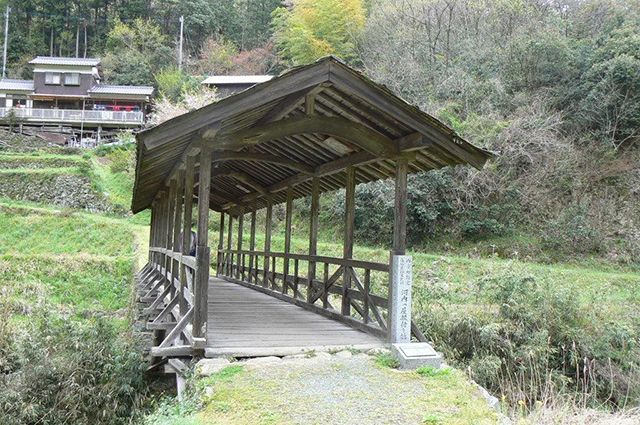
(51, 60)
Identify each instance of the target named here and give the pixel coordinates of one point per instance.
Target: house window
(52, 78)
(72, 79)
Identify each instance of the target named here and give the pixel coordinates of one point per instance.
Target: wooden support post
(229, 270)
(159, 228)
(240, 259)
(152, 222)
(349, 224)
(177, 230)
(267, 243)
(252, 247)
(400, 267)
(203, 253)
(220, 263)
(189, 176)
(313, 236)
(169, 238)
(287, 239)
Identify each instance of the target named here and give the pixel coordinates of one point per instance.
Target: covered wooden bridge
(314, 129)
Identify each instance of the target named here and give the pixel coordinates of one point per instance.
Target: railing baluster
(295, 279)
(367, 290)
(273, 273)
(325, 294)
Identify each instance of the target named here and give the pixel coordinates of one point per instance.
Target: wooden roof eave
(158, 141)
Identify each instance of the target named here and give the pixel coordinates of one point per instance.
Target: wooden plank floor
(243, 322)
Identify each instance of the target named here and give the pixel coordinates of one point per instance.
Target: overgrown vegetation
(67, 351)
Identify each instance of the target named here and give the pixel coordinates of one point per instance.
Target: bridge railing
(170, 292)
(348, 290)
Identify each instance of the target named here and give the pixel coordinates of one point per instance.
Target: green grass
(81, 264)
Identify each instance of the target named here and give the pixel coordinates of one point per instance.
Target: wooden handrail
(187, 260)
(358, 264)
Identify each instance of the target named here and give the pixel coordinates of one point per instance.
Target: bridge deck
(243, 322)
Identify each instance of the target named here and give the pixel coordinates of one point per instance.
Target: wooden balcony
(73, 116)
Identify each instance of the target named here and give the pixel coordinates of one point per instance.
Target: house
(226, 85)
(71, 92)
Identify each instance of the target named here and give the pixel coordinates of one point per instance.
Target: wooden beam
(302, 78)
(262, 157)
(310, 104)
(354, 159)
(313, 235)
(203, 254)
(349, 226)
(348, 81)
(400, 210)
(360, 135)
(243, 178)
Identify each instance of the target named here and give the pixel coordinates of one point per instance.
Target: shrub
(532, 341)
(71, 372)
(572, 233)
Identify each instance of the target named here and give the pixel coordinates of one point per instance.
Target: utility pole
(6, 40)
(180, 48)
(77, 39)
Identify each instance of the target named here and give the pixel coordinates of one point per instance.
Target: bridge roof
(312, 121)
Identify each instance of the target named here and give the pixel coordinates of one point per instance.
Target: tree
(134, 53)
(316, 28)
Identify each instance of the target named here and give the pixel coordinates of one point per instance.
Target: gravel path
(343, 389)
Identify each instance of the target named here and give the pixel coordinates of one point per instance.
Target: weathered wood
(349, 226)
(170, 223)
(261, 157)
(239, 242)
(323, 170)
(267, 241)
(186, 224)
(360, 135)
(177, 223)
(243, 178)
(336, 316)
(252, 245)
(202, 251)
(229, 268)
(178, 329)
(313, 234)
(400, 210)
(287, 237)
(175, 351)
(220, 263)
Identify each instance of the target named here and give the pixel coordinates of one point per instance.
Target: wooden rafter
(341, 128)
(261, 157)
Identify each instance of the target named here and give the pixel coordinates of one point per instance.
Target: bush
(75, 372)
(572, 233)
(532, 341)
